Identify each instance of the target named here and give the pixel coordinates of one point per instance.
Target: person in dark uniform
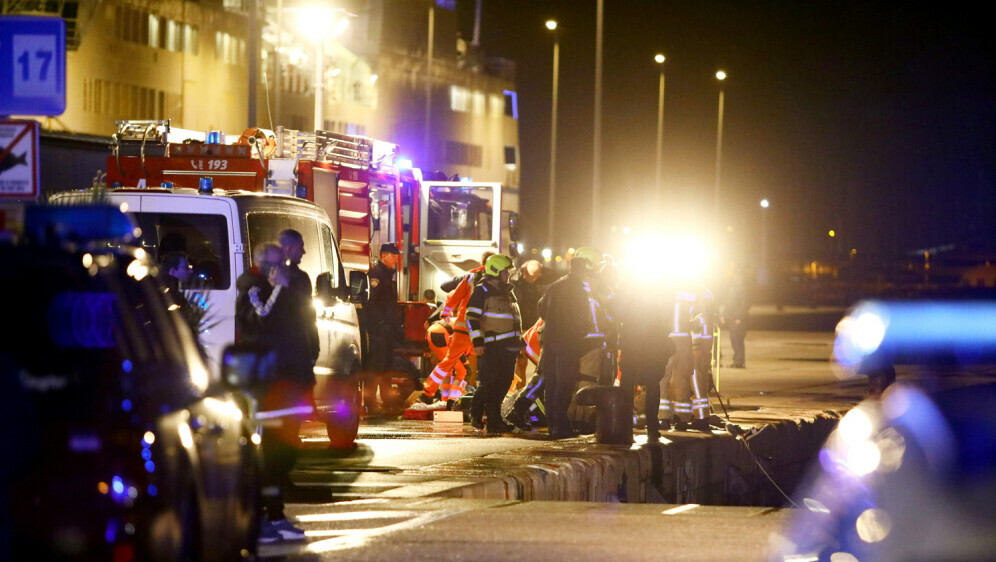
(566, 312)
(733, 317)
(383, 326)
(496, 333)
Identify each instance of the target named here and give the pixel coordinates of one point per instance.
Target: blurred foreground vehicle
(911, 476)
(118, 444)
(219, 231)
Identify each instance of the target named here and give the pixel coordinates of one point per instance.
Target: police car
(118, 444)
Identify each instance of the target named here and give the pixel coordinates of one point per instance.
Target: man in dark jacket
(733, 317)
(384, 327)
(292, 243)
(645, 321)
(567, 314)
(273, 314)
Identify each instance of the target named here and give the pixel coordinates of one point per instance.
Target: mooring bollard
(614, 415)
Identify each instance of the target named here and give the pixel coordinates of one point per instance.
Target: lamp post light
(552, 26)
(315, 21)
(596, 171)
(720, 76)
(659, 58)
(763, 273)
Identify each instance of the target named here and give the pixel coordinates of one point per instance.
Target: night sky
(872, 119)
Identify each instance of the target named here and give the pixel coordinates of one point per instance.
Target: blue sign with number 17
(32, 65)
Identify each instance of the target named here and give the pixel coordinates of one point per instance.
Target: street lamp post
(552, 26)
(763, 273)
(659, 59)
(596, 172)
(314, 22)
(430, 48)
(720, 76)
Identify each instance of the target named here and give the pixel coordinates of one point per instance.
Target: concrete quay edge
(685, 467)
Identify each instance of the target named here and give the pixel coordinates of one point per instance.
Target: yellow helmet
(589, 254)
(496, 264)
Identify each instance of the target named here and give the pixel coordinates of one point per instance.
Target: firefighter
(451, 366)
(496, 332)
(569, 329)
(523, 413)
(686, 384)
(458, 345)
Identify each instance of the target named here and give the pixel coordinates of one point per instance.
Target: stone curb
(715, 469)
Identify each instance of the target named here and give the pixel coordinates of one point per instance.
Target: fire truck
(373, 196)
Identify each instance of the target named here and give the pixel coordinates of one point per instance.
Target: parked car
(220, 231)
(119, 445)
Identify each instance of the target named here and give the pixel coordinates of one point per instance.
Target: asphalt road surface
(375, 502)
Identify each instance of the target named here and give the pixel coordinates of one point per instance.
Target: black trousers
(738, 333)
(561, 369)
(280, 443)
(649, 376)
(377, 363)
(495, 370)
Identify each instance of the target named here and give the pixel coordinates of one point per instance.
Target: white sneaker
(287, 531)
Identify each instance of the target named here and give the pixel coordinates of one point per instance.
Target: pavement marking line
(353, 516)
(360, 539)
(680, 509)
(362, 501)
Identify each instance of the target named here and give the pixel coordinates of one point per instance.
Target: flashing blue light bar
(933, 332)
(77, 223)
(404, 163)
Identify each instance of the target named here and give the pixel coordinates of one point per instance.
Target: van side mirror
(358, 286)
(324, 291)
(246, 365)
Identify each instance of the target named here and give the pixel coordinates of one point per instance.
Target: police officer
(383, 326)
(566, 310)
(496, 332)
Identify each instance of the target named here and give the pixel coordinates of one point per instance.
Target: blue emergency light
(77, 223)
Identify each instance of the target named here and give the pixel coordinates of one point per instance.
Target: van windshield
(460, 213)
(266, 227)
(202, 238)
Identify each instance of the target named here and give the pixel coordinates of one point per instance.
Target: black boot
(518, 418)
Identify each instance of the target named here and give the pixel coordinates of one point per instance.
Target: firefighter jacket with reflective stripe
(493, 314)
(455, 306)
(602, 328)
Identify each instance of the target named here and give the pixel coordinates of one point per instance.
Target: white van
(219, 231)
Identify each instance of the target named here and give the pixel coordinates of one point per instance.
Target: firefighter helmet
(590, 255)
(496, 264)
